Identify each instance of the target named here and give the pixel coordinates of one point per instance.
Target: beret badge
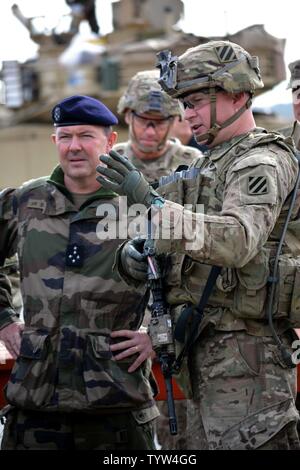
(57, 114)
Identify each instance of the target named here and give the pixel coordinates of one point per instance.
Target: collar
(57, 178)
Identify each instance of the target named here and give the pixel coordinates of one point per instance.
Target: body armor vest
(239, 292)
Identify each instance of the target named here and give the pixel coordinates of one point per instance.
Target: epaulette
(31, 184)
(4, 193)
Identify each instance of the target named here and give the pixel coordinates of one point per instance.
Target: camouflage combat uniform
(65, 377)
(11, 270)
(243, 393)
(242, 390)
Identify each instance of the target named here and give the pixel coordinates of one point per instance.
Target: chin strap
(215, 128)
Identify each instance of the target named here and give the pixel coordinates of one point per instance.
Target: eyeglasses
(195, 100)
(160, 124)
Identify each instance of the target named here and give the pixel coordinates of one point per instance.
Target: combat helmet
(220, 64)
(210, 67)
(294, 82)
(144, 95)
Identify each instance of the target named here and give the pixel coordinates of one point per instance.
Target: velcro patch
(258, 185)
(225, 53)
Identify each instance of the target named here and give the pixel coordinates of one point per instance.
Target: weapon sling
(199, 309)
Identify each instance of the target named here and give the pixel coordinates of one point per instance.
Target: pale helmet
(144, 95)
(214, 64)
(294, 82)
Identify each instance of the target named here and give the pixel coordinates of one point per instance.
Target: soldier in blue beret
(80, 380)
(78, 109)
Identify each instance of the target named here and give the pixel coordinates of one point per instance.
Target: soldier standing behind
(241, 372)
(294, 84)
(80, 380)
(149, 113)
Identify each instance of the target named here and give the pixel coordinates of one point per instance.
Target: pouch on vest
(251, 292)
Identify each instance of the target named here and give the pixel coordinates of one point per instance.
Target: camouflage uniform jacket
(72, 301)
(176, 154)
(242, 185)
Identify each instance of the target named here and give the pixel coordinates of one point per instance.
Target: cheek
(62, 152)
(297, 108)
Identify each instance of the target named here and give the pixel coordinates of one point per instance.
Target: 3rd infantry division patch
(257, 185)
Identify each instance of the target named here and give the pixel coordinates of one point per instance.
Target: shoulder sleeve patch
(258, 185)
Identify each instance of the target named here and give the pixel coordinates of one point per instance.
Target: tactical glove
(133, 261)
(122, 177)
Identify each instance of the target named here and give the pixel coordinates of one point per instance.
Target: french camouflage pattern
(213, 64)
(176, 154)
(144, 95)
(31, 430)
(8, 313)
(72, 301)
(11, 270)
(239, 385)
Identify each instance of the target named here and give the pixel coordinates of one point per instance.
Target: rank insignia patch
(258, 185)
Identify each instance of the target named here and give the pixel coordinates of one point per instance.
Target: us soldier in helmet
(239, 363)
(150, 113)
(294, 84)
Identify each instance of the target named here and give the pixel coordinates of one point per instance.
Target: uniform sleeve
(7, 249)
(7, 312)
(255, 190)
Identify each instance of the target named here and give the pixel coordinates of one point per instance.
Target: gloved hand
(122, 177)
(133, 261)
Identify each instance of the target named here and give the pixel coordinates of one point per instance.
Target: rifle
(160, 329)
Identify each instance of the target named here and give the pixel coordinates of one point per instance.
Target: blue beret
(78, 109)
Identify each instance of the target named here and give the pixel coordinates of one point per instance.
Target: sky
(281, 19)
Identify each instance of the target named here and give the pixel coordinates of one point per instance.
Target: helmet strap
(215, 128)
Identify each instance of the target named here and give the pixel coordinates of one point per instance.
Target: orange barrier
(5, 370)
(162, 395)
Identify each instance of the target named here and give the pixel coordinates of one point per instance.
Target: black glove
(133, 261)
(125, 179)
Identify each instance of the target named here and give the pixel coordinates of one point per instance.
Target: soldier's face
(79, 148)
(296, 102)
(149, 131)
(198, 113)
